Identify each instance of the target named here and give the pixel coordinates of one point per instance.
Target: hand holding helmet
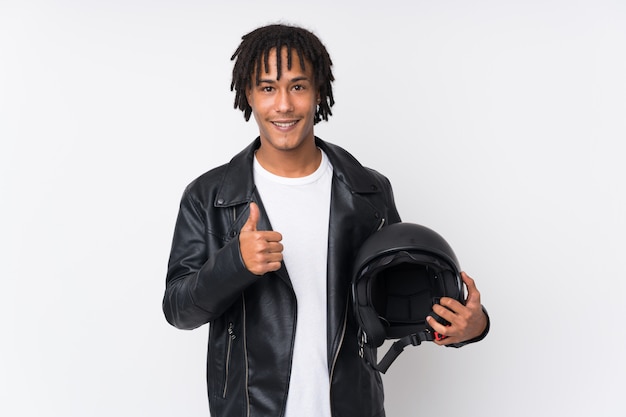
(466, 321)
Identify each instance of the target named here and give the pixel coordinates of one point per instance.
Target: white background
(500, 123)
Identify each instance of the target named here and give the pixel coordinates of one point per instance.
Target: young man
(264, 245)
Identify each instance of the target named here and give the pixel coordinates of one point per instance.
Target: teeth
(284, 124)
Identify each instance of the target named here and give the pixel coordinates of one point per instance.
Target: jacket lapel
(354, 216)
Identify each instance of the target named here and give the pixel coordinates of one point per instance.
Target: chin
(287, 143)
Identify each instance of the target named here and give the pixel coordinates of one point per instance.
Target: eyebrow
(293, 80)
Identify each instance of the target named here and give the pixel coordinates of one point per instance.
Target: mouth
(285, 125)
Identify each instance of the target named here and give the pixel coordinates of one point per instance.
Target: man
(264, 245)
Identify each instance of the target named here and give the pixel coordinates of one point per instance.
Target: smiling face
(284, 108)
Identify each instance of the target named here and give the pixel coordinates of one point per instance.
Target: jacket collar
(237, 186)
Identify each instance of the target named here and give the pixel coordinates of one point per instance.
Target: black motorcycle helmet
(400, 272)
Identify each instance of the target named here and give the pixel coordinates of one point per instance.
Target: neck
(293, 163)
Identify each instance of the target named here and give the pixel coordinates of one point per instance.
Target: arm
(205, 275)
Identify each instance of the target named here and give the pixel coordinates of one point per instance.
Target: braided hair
(255, 49)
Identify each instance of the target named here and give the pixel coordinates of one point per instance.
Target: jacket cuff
(222, 279)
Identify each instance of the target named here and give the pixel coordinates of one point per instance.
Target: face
(284, 109)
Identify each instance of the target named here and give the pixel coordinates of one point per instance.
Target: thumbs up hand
(261, 251)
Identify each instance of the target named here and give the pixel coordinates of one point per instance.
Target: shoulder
(363, 181)
(350, 170)
(232, 178)
(208, 180)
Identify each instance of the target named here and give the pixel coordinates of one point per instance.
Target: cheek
(259, 104)
(258, 119)
(309, 105)
(257, 111)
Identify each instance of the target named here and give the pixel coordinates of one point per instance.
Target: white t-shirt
(299, 209)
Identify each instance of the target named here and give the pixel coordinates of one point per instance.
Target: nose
(284, 102)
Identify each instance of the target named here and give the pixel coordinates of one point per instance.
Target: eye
(267, 89)
(299, 87)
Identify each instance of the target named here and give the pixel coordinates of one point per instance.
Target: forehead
(289, 60)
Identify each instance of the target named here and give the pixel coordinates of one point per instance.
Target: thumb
(253, 219)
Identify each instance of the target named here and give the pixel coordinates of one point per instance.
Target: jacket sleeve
(205, 273)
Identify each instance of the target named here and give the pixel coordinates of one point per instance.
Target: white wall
(501, 125)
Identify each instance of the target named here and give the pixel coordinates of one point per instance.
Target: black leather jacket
(253, 319)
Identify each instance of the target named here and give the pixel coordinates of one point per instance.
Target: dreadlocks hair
(254, 50)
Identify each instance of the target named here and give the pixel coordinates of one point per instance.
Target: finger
(271, 237)
(273, 257)
(437, 327)
(447, 309)
(253, 219)
(261, 261)
(274, 247)
(272, 266)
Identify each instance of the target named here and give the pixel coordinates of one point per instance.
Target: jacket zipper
(231, 338)
(343, 333)
(245, 353)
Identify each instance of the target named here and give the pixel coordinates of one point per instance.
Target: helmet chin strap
(414, 339)
(397, 348)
